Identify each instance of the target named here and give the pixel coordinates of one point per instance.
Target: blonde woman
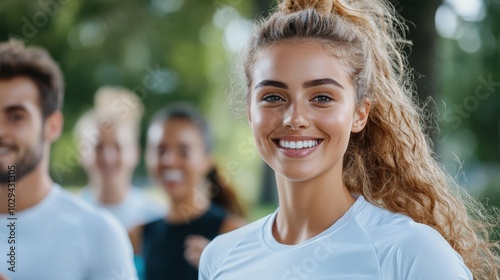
(360, 194)
(108, 142)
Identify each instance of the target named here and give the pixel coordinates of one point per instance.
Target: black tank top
(163, 245)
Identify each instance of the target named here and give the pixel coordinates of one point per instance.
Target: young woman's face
(302, 110)
(176, 157)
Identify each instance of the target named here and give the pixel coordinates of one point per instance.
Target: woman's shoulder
(219, 248)
(396, 230)
(382, 225)
(409, 250)
(233, 237)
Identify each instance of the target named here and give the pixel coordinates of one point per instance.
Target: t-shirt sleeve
(424, 254)
(206, 268)
(110, 251)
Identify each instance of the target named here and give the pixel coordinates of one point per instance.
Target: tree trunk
(419, 16)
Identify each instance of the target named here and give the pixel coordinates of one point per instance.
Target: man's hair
(16, 60)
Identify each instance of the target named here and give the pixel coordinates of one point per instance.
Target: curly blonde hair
(390, 162)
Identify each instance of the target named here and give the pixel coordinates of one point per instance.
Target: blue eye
(272, 98)
(323, 99)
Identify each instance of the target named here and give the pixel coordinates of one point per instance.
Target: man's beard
(27, 163)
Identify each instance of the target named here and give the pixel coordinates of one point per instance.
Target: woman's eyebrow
(271, 83)
(308, 84)
(319, 82)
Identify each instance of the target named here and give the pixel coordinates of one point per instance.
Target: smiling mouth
(297, 145)
(173, 176)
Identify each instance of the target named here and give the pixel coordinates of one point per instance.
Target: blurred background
(189, 50)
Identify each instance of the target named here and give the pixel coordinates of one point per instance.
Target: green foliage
(172, 50)
(469, 99)
(164, 51)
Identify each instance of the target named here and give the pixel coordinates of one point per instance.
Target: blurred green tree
(179, 50)
(164, 51)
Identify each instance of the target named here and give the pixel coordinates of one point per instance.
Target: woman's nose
(296, 117)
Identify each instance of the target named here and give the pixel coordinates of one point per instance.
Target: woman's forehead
(294, 62)
(175, 130)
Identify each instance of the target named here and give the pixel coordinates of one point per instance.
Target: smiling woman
(202, 205)
(361, 196)
(307, 97)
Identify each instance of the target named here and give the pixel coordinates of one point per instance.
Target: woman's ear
(361, 116)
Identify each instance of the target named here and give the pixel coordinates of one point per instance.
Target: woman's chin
(173, 189)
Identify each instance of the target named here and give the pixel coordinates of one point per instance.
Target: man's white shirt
(64, 238)
(137, 209)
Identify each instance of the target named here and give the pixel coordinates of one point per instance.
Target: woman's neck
(110, 192)
(308, 208)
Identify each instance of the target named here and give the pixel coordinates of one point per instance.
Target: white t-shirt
(136, 209)
(64, 238)
(367, 242)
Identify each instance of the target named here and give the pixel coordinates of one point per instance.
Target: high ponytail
(390, 162)
(293, 6)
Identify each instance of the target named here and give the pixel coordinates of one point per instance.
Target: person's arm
(3, 277)
(135, 235)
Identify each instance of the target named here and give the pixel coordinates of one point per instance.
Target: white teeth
(173, 175)
(298, 144)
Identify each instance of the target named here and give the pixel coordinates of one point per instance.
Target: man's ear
(53, 126)
(361, 116)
